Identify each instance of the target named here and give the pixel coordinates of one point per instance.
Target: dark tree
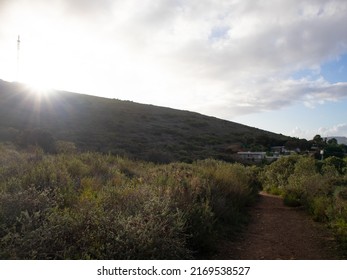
(332, 141)
(319, 142)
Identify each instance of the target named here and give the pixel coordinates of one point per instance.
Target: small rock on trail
(276, 231)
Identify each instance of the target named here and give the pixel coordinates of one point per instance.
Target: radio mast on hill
(18, 49)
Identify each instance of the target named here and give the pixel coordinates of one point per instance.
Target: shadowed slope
(124, 127)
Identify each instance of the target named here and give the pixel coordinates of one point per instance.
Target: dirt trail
(276, 231)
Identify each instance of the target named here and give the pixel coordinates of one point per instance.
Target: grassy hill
(123, 127)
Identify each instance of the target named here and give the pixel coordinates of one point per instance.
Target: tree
(334, 150)
(295, 143)
(319, 142)
(338, 163)
(332, 141)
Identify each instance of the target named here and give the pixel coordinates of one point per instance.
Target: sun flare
(39, 67)
(37, 75)
(37, 86)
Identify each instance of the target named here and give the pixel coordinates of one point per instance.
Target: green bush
(340, 227)
(275, 176)
(319, 186)
(320, 208)
(230, 189)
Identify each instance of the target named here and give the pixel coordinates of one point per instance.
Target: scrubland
(94, 206)
(88, 205)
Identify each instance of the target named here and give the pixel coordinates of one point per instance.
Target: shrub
(153, 233)
(93, 206)
(340, 202)
(304, 184)
(275, 176)
(318, 186)
(230, 190)
(319, 208)
(65, 147)
(340, 227)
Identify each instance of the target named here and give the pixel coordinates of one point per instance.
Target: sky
(277, 65)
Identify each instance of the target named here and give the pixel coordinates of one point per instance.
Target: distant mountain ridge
(340, 139)
(123, 127)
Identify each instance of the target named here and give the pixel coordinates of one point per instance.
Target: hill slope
(123, 127)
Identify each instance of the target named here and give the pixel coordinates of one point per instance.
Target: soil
(276, 231)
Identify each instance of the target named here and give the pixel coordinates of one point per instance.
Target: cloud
(336, 130)
(330, 131)
(88, 7)
(223, 58)
(256, 46)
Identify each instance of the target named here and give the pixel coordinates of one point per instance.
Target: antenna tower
(18, 49)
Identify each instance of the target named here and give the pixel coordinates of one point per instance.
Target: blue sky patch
(218, 32)
(335, 71)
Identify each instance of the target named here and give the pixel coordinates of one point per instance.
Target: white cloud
(300, 133)
(223, 58)
(336, 130)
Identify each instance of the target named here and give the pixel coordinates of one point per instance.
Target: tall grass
(94, 206)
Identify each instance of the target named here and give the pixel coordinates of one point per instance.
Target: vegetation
(124, 128)
(94, 206)
(320, 186)
(79, 178)
(72, 205)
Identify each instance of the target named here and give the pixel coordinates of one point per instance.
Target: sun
(36, 75)
(39, 66)
(38, 86)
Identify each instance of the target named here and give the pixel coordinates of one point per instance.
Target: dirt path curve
(276, 231)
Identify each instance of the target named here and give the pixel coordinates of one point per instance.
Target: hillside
(124, 127)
